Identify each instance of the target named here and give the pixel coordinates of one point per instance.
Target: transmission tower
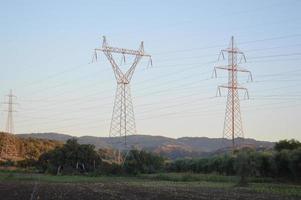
(8, 146)
(10, 111)
(123, 120)
(233, 128)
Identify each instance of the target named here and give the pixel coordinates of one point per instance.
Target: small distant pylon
(123, 120)
(10, 111)
(8, 144)
(233, 128)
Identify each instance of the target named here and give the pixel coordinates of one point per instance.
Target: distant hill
(205, 144)
(169, 147)
(17, 148)
(48, 136)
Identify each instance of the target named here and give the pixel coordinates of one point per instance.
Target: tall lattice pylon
(233, 128)
(123, 119)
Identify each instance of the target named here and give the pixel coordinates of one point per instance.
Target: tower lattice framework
(10, 119)
(233, 128)
(123, 119)
(8, 145)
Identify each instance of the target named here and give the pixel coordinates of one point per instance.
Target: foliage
(287, 145)
(142, 162)
(284, 164)
(218, 164)
(245, 165)
(71, 157)
(17, 148)
(295, 162)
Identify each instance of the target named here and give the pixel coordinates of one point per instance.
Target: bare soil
(13, 190)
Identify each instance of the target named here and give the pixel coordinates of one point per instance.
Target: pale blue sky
(46, 47)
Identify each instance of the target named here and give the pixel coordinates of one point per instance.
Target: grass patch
(189, 177)
(277, 188)
(17, 176)
(169, 180)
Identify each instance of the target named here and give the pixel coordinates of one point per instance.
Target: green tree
(287, 144)
(281, 160)
(142, 162)
(295, 163)
(244, 166)
(71, 157)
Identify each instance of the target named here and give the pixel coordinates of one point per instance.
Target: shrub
(70, 158)
(142, 162)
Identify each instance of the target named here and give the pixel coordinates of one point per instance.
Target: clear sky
(46, 48)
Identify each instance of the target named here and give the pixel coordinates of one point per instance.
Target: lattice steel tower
(233, 128)
(123, 119)
(10, 111)
(8, 146)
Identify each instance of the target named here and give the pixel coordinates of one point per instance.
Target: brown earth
(13, 190)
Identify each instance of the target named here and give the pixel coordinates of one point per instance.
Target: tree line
(284, 161)
(75, 158)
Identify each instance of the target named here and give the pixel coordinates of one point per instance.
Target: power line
(79, 66)
(177, 72)
(210, 111)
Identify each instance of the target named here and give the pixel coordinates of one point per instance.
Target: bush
(245, 165)
(28, 163)
(282, 161)
(8, 163)
(287, 145)
(70, 158)
(73, 158)
(106, 168)
(295, 163)
(142, 162)
(285, 162)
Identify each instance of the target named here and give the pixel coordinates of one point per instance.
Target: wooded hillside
(14, 148)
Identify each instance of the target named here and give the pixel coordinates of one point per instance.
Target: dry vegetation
(14, 148)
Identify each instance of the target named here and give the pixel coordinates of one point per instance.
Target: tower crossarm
(235, 87)
(106, 48)
(234, 50)
(232, 88)
(123, 51)
(236, 69)
(119, 75)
